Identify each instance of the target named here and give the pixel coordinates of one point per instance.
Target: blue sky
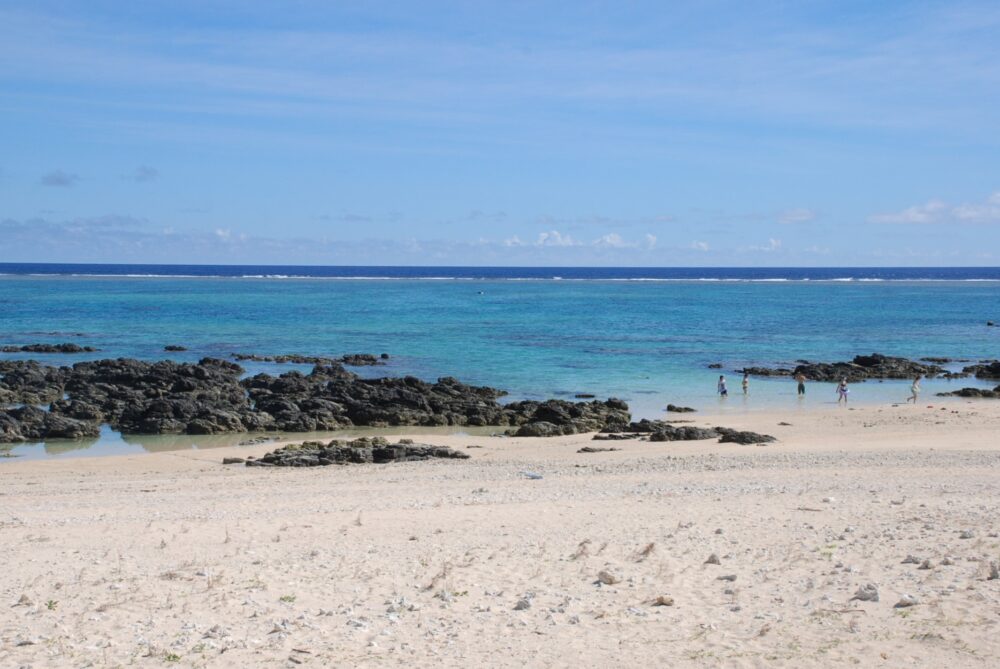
(521, 133)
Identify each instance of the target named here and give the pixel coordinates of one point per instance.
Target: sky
(501, 133)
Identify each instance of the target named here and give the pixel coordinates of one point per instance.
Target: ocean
(646, 335)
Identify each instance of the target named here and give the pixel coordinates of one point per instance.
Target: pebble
(911, 559)
(994, 571)
(607, 578)
(967, 534)
(663, 600)
(523, 604)
(712, 559)
(906, 601)
(866, 593)
(926, 564)
(727, 577)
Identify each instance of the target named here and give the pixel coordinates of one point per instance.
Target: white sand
(173, 559)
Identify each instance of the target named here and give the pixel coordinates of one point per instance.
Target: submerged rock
(48, 348)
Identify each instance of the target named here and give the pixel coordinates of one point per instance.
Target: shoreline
(114, 444)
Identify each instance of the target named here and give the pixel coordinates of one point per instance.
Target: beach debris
(596, 449)
(926, 564)
(712, 559)
(966, 534)
(606, 577)
(911, 559)
(523, 604)
(784, 424)
(906, 601)
(866, 593)
(994, 571)
(726, 577)
(663, 600)
(534, 476)
(233, 461)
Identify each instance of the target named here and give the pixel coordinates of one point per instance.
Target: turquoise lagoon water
(646, 341)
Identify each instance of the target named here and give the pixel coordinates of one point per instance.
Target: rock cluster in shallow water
(861, 368)
(209, 397)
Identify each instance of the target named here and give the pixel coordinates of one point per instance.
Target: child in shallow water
(842, 391)
(723, 391)
(746, 383)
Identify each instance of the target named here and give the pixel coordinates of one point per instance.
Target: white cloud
(613, 240)
(797, 215)
(555, 238)
(650, 241)
(940, 212)
(772, 245)
(699, 246)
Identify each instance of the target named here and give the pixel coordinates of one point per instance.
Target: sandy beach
(607, 560)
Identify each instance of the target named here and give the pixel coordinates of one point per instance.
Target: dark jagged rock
(48, 348)
(209, 397)
(765, 371)
(715, 365)
(174, 347)
(942, 361)
(985, 370)
(558, 417)
(594, 449)
(33, 424)
(861, 368)
(30, 382)
(683, 433)
(351, 360)
(584, 396)
(974, 392)
(673, 408)
(731, 436)
(375, 450)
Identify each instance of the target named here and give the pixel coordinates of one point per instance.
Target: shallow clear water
(648, 342)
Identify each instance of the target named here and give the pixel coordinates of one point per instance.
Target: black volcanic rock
(366, 450)
(48, 348)
(174, 347)
(974, 392)
(987, 370)
(210, 397)
(30, 423)
(861, 368)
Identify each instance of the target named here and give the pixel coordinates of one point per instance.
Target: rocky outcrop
(974, 392)
(351, 360)
(174, 347)
(986, 370)
(48, 348)
(658, 430)
(673, 408)
(557, 417)
(33, 424)
(366, 450)
(210, 397)
(861, 368)
(766, 371)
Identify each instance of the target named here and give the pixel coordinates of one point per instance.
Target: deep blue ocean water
(645, 335)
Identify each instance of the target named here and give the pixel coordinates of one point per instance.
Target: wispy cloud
(938, 212)
(59, 179)
(143, 174)
(797, 215)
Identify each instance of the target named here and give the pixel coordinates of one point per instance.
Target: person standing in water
(801, 379)
(842, 391)
(746, 383)
(914, 390)
(723, 391)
